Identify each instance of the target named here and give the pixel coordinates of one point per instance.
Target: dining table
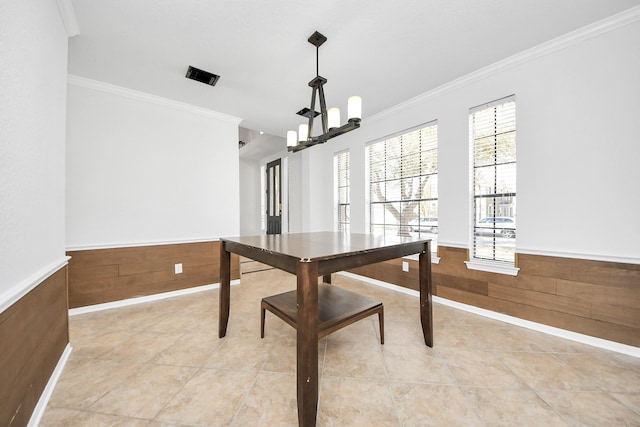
(309, 256)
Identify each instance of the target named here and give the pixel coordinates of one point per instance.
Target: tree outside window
(403, 183)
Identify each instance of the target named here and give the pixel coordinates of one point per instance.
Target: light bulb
(292, 138)
(354, 109)
(334, 117)
(303, 133)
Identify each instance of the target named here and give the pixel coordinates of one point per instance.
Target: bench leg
(262, 321)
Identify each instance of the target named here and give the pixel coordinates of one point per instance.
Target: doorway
(274, 197)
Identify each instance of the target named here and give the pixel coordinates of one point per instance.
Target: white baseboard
(38, 412)
(550, 330)
(147, 298)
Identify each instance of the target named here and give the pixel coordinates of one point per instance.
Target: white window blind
(493, 139)
(341, 165)
(403, 183)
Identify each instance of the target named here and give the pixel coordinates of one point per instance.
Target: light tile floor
(162, 364)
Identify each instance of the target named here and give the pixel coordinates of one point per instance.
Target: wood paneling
(479, 287)
(106, 275)
(571, 305)
(391, 272)
(596, 298)
(34, 333)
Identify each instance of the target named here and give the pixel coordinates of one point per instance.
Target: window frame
(341, 205)
(496, 263)
(427, 170)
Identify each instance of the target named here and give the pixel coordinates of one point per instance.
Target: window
(341, 167)
(403, 184)
(493, 146)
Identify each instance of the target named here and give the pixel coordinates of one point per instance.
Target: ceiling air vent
(202, 76)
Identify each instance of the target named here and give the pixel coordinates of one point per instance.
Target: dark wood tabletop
(333, 251)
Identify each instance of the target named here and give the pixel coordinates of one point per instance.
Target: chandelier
(330, 118)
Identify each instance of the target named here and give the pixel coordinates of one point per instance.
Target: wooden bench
(337, 308)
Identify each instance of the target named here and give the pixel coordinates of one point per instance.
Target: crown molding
(68, 15)
(595, 29)
(76, 80)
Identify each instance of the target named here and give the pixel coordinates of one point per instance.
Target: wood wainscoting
(98, 276)
(596, 298)
(34, 332)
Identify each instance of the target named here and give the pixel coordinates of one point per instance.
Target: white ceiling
(385, 51)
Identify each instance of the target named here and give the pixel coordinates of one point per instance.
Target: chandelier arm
(347, 127)
(312, 112)
(321, 139)
(323, 109)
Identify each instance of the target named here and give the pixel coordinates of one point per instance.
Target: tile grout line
(196, 371)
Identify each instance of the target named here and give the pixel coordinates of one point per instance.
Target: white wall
(578, 146)
(33, 52)
(250, 196)
(142, 169)
(294, 192)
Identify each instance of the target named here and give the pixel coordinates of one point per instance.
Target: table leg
(326, 278)
(225, 290)
(426, 312)
(307, 353)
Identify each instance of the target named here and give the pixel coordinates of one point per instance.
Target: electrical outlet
(178, 268)
(405, 266)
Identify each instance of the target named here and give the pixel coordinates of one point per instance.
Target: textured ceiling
(385, 51)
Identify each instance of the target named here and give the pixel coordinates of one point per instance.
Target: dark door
(274, 197)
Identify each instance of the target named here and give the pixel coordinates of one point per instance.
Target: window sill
(492, 267)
